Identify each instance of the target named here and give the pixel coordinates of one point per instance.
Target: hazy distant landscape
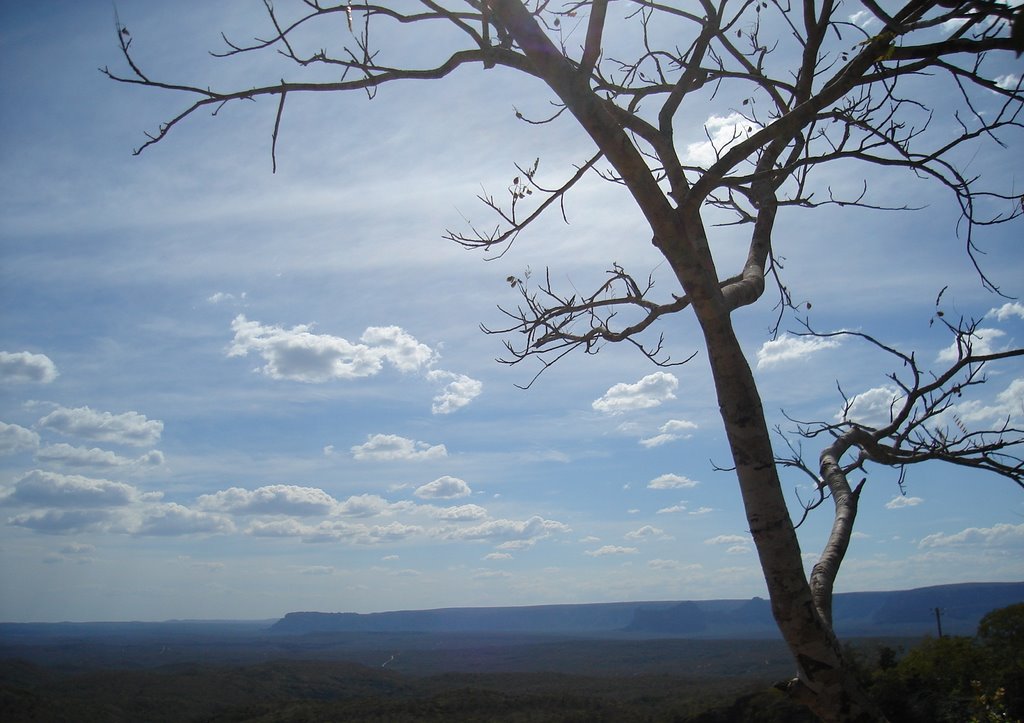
(701, 661)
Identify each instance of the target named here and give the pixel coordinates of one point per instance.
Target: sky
(232, 393)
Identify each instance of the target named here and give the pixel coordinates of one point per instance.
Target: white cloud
(672, 510)
(458, 391)
(661, 564)
(289, 527)
(863, 19)
(497, 556)
(171, 519)
(270, 500)
(459, 513)
(129, 428)
(300, 355)
(222, 296)
(443, 488)
(671, 482)
(611, 550)
(392, 447)
(650, 391)
(1010, 308)
(900, 501)
(873, 408)
(1008, 404)
(646, 532)
(67, 455)
(727, 540)
(369, 506)
(398, 347)
(391, 532)
(50, 489)
(1010, 81)
(62, 521)
(789, 348)
(513, 534)
(981, 342)
(670, 431)
(14, 439)
(999, 535)
(25, 366)
(723, 133)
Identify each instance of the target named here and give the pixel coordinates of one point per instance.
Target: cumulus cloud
(671, 482)
(22, 366)
(681, 507)
(1010, 81)
(14, 439)
(59, 522)
(661, 564)
(512, 534)
(670, 431)
(335, 531)
(458, 391)
(223, 296)
(727, 540)
(611, 550)
(289, 527)
(1010, 308)
(901, 501)
(735, 544)
(722, 132)
(790, 348)
(873, 408)
(69, 456)
(647, 532)
(393, 447)
(999, 535)
(1008, 404)
(300, 355)
(171, 519)
(443, 488)
(391, 532)
(651, 391)
(369, 506)
(39, 488)
(459, 513)
(983, 341)
(277, 499)
(130, 428)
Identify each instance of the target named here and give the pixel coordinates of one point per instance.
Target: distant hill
(903, 612)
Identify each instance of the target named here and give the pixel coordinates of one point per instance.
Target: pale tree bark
(837, 102)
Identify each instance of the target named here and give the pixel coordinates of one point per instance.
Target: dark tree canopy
(814, 88)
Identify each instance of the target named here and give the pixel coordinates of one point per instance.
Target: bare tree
(820, 86)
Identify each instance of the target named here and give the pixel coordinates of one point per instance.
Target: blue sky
(227, 393)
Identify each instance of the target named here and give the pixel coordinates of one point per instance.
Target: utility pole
(938, 620)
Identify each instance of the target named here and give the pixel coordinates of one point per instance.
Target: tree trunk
(824, 683)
